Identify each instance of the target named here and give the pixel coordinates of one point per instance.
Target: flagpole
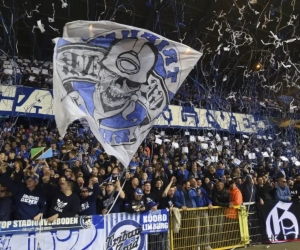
(39, 235)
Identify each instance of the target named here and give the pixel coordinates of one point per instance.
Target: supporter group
(175, 171)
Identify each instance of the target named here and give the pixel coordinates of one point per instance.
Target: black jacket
(264, 192)
(65, 206)
(248, 190)
(221, 198)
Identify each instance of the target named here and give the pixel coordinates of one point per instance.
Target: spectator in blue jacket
(200, 195)
(185, 197)
(179, 200)
(182, 174)
(5, 204)
(283, 192)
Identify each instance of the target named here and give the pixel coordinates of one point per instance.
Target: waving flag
(117, 77)
(41, 153)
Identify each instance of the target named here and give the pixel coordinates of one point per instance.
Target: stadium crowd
(183, 171)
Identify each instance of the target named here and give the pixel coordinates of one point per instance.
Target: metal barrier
(158, 241)
(253, 223)
(205, 229)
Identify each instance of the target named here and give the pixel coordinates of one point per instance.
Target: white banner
(117, 77)
(110, 232)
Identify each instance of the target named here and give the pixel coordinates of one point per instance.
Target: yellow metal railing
(205, 229)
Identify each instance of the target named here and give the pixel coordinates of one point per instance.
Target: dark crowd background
(182, 170)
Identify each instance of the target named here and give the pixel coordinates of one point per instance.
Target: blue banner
(155, 221)
(30, 102)
(33, 102)
(112, 231)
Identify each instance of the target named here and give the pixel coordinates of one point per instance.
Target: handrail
(206, 208)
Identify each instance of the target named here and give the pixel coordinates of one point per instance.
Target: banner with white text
(279, 221)
(33, 102)
(97, 232)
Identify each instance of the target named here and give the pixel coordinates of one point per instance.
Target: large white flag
(117, 77)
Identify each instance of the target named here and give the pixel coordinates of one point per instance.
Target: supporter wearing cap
(66, 203)
(137, 203)
(5, 204)
(112, 202)
(87, 201)
(29, 200)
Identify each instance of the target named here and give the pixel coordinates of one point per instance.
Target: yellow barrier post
(243, 222)
(171, 231)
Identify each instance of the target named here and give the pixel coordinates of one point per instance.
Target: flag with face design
(118, 78)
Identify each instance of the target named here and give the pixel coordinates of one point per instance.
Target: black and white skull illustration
(124, 70)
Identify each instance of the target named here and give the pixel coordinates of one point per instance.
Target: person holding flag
(112, 202)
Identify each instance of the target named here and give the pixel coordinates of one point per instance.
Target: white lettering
(30, 200)
(276, 225)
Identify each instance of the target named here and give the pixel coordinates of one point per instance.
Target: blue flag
(118, 78)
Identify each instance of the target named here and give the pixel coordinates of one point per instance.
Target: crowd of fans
(181, 171)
